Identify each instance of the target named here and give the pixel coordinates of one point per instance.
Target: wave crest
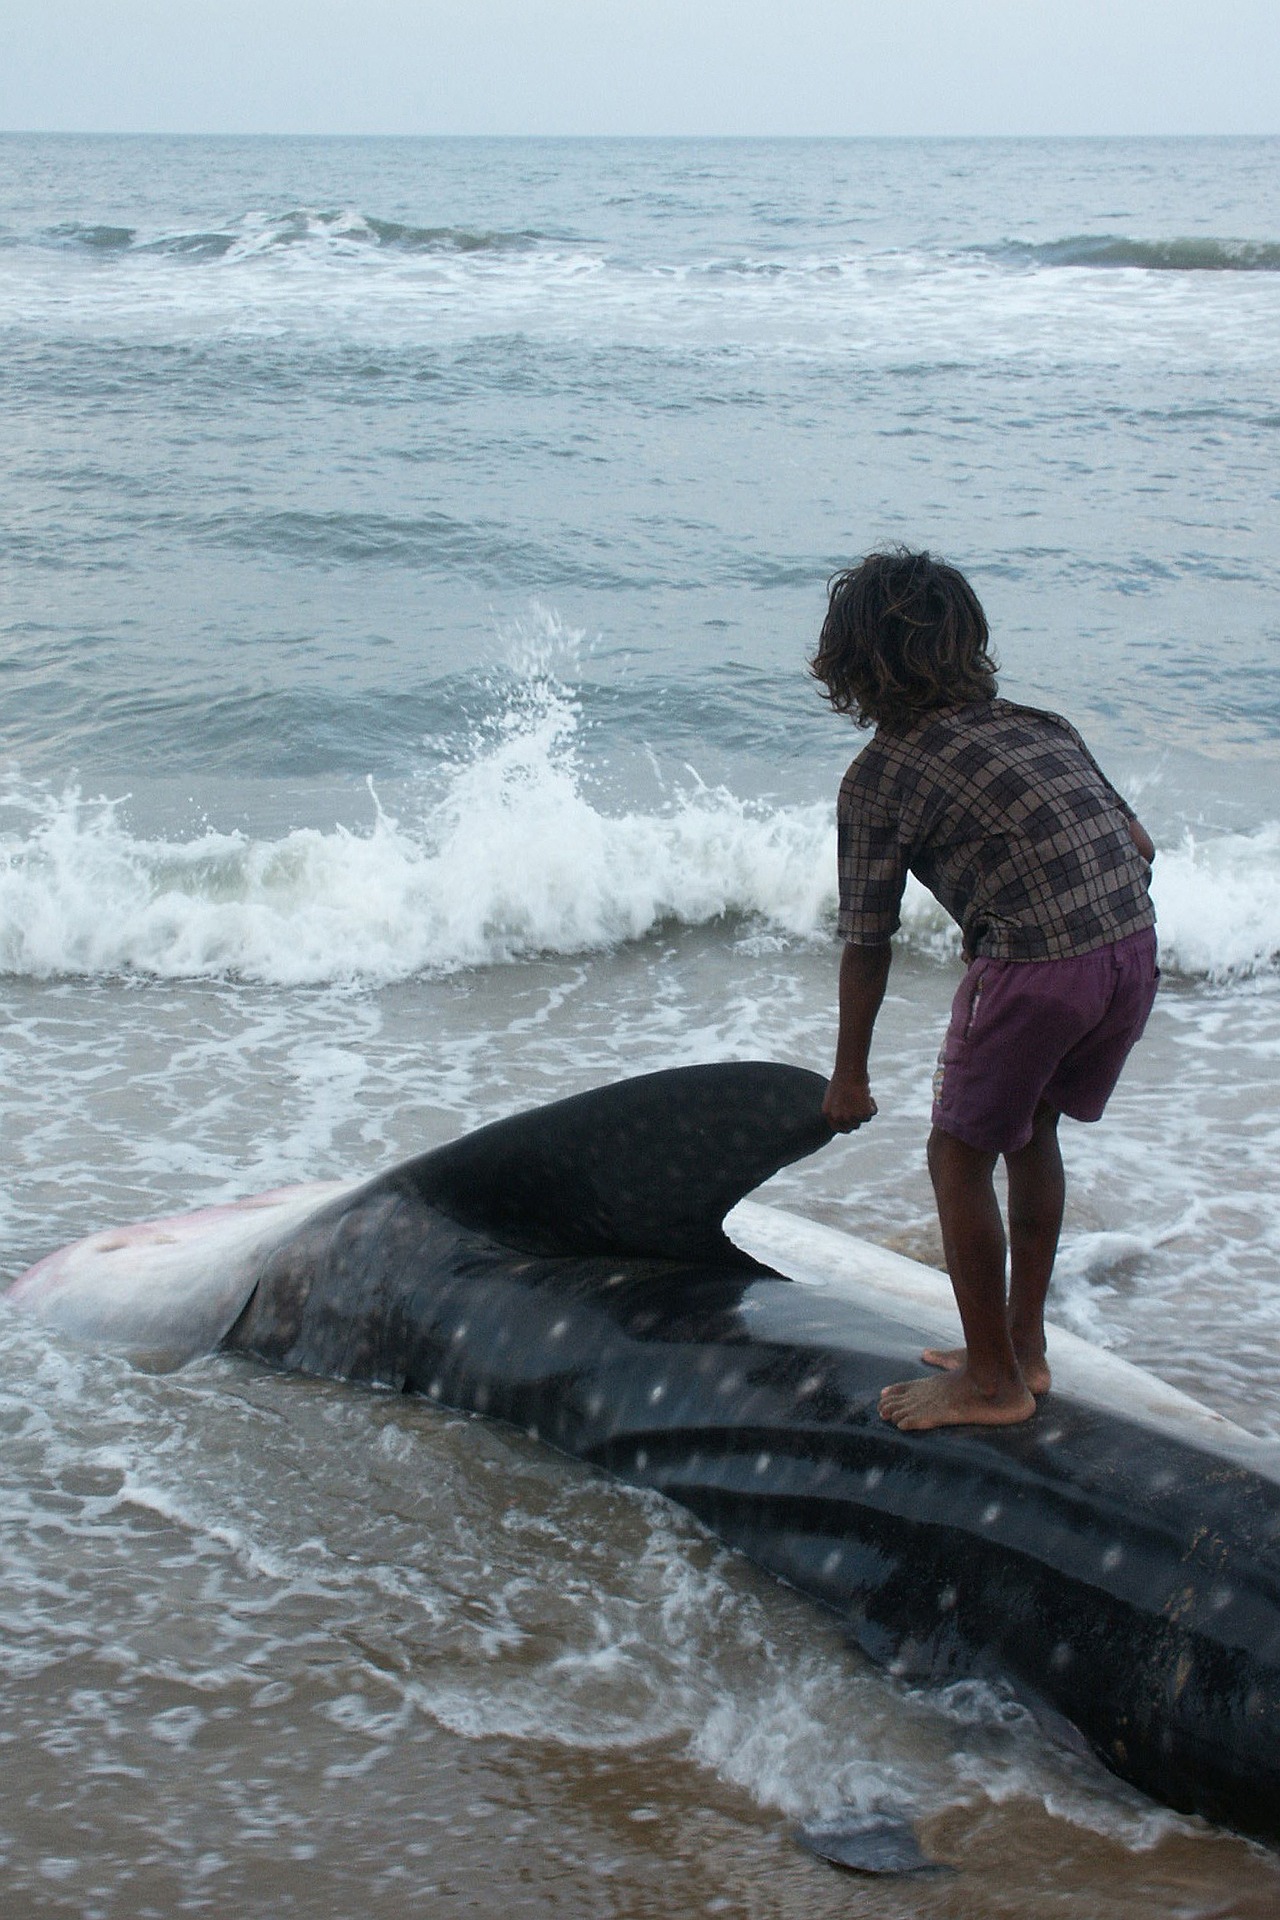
(311, 228)
(1189, 255)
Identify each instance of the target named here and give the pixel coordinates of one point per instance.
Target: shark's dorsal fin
(646, 1168)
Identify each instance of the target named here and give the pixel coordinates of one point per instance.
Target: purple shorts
(1023, 1031)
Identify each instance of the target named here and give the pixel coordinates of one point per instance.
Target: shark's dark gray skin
(567, 1271)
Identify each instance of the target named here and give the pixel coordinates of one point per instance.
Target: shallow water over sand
(293, 1646)
(331, 1652)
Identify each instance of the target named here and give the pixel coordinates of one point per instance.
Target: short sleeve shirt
(1005, 816)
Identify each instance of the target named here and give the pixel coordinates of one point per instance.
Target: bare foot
(1035, 1368)
(915, 1406)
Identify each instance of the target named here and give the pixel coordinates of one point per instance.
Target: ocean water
(409, 556)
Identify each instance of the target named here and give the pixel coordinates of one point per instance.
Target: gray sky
(641, 66)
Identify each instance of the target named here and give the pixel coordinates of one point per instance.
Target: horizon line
(193, 133)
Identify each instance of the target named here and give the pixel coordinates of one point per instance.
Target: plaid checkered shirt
(1007, 818)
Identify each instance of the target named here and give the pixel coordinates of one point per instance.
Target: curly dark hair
(904, 632)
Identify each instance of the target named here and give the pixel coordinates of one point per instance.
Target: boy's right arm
(1141, 839)
(864, 973)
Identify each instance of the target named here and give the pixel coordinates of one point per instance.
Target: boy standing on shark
(1005, 816)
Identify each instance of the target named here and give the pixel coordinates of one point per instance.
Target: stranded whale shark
(1116, 1559)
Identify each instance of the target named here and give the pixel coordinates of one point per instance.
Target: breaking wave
(511, 857)
(1155, 256)
(256, 233)
(337, 231)
(537, 870)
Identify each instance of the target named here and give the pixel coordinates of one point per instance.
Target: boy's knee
(954, 1160)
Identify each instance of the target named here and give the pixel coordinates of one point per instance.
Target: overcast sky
(641, 66)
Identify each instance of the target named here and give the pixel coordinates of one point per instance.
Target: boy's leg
(1037, 1189)
(988, 1388)
(1036, 1193)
